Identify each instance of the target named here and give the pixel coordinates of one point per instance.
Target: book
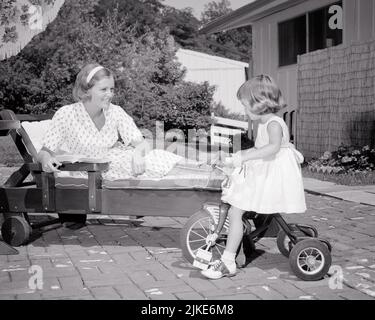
(72, 158)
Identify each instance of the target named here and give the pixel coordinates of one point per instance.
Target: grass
(349, 179)
(9, 155)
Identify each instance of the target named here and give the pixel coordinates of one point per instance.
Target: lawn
(9, 155)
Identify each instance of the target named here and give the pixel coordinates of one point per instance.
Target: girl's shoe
(217, 270)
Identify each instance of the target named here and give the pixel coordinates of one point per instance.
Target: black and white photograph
(187, 157)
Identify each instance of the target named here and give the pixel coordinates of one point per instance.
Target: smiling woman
(95, 88)
(92, 126)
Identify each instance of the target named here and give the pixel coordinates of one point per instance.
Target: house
(226, 75)
(315, 50)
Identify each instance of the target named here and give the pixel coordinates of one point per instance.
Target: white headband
(92, 73)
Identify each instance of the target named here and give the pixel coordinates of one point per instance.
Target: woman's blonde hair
(261, 95)
(82, 86)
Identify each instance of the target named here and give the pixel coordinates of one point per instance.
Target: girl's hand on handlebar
(228, 162)
(234, 161)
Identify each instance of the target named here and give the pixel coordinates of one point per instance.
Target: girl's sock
(229, 259)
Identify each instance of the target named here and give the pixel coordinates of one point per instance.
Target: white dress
(72, 131)
(269, 185)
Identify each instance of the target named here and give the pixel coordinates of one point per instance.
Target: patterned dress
(73, 131)
(269, 185)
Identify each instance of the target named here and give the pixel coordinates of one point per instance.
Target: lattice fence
(336, 98)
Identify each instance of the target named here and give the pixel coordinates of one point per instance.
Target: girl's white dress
(72, 131)
(269, 185)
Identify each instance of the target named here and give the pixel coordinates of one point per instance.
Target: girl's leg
(235, 231)
(235, 234)
(226, 266)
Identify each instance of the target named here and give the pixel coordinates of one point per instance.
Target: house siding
(359, 19)
(358, 26)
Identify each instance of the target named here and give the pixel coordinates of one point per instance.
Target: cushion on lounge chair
(178, 178)
(35, 131)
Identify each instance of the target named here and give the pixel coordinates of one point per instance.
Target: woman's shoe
(218, 270)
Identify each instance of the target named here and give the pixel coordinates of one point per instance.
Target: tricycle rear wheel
(310, 259)
(283, 242)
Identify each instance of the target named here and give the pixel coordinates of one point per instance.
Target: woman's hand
(138, 164)
(48, 162)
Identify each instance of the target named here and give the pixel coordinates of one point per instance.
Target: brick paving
(114, 259)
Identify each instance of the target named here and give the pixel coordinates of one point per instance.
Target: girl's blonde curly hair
(261, 95)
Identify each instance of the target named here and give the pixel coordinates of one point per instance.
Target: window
(292, 40)
(307, 33)
(320, 35)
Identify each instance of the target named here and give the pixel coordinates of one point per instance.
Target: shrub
(149, 80)
(346, 159)
(220, 111)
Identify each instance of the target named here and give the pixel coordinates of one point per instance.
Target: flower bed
(348, 165)
(345, 160)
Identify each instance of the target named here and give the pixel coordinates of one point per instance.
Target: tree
(12, 12)
(234, 44)
(149, 80)
(141, 15)
(182, 25)
(214, 10)
(146, 15)
(29, 82)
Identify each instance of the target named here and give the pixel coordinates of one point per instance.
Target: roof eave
(244, 17)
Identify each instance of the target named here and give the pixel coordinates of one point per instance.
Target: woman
(92, 127)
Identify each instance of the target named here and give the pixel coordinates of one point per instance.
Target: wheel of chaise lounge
(16, 231)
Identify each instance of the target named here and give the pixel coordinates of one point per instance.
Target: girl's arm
(275, 133)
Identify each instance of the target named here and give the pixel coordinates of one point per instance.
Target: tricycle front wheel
(193, 236)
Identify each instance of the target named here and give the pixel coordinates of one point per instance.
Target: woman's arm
(141, 146)
(275, 133)
(131, 135)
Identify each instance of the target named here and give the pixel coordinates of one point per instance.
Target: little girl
(267, 178)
